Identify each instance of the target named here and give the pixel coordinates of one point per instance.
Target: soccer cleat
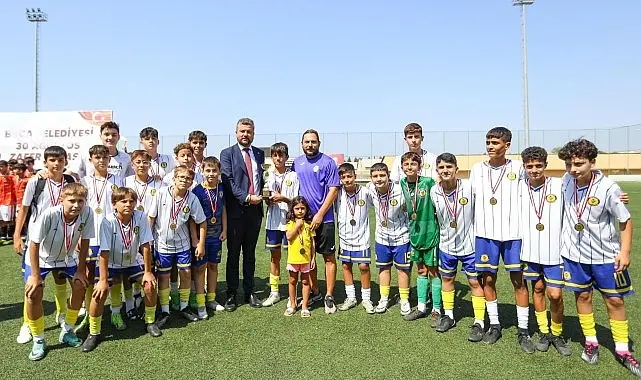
(153, 330)
(215, 306)
(590, 353)
(435, 318)
(315, 297)
(561, 345)
(492, 334)
(305, 313)
(330, 305)
(271, 300)
(525, 341)
(138, 301)
(39, 350)
(383, 305)
(543, 341)
(174, 301)
(348, 304)
(91, 343)
(132, 314)
(117, 322)
(84, 324)
(476, 333)
(629, 362)
(188, 314)
(193, 303)
(202, 314)
(24, 336)
(415, 314)
(406, 308)
(70, 338)
(368, 306)
(445, 324)
(289, 311)
(164, 318)
(60, 318)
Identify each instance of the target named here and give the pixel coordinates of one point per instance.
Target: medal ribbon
(153, 172)
(141, 198)
(384, 206)
(102, 191)
(126, 236)
(278, 186)
(454, 207)
(498, 183)
(539, 210)
(413, 197)
(580, 206)
(176, 210)
(351, 201)
(65, 226)
(213, 201)
(55, 200)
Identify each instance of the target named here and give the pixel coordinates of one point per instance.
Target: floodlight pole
(37, 16)
(526, 106)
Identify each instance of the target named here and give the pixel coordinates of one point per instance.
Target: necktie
(250, 172)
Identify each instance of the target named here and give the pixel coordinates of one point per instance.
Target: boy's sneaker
(348, 304)
(215, 306)
(382, 306)
(445, 324)
(39, 350)
(414, 315)
(406, 308)
(561, 345)
(117, 322)
(271, 300)
(543, 341)
(525, 341)
(163, 319)
(590, 353)
(315, 297)
(91, 343)
(174, 300)
(153, 330)
(492, 334)
(330, 305)
(70, 338)
(202, 314)
(188, 314)
(476, 333)
(82, 312)
(629, 362)
(368, 306)
(132, 314)
(435, 318)
(24, 336)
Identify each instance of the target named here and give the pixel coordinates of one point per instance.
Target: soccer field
(264, 343)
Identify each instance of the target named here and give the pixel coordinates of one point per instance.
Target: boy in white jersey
(282, 185)
(170, 216)
(119, 162)
(496, 214)
(124, 254)
(414, 138)
(160, 164)
(392, 236)
(541, 215)
(99, 186)
(53, 241)
(353, 233)
(41, 194)
(198, 142)
(185, 157)
(596, 244)
(454, 203)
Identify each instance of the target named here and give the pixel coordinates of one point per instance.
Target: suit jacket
(236, 180)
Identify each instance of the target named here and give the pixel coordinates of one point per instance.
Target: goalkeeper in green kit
(424, 237)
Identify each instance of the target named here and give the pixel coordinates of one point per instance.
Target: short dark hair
(110, 125)
(413, 128)
(246, 122)
(182, 146)
(29, 160)
(211, 161)
(412, 156)
(499, 133)
(448, 158)
(12, 162)
(99, 150)
(3, 163)
(148, 132)
(299, 200)
(580, 148)
(54, 151)
(379, 167)
(197, 135)
(346, 167)
(21, 167)
(534, 153)
(123, 193)
(279, 147)
(311, 131)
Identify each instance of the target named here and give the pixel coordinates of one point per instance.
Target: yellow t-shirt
(294, 255)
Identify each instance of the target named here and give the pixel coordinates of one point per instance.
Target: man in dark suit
(242, 177)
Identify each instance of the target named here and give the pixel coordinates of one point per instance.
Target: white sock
(435, 310)
(450, 313)
(115, 310)
(164, 308)
(591, 339)
(350, 291)
(129, 304)
(173, 286)
(493, 311)
(183, 304)
(383, 299)
(480, 323)
(421, 306)
(522, 314)
(621, 347)
(366, 294)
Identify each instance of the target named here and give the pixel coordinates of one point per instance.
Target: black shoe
(230, 303)
(445, 324)
(415, 314)
(315, 298)
(630, 362)
(164, 317)
(153, 330)
(253, 301)
(561, 345)
(492, 334)
(543, 341)
(188, 314)
(476, 333)
(91, 342)
(525, 341)
(132, 314)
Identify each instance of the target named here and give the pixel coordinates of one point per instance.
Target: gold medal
(493, 201)
(98, 210)
(579, 227)
(213, 220)
(384, 223)
(352, 222)
(414, 216)
(540, 227)
(140, 208)
(302, 251)
(172, 226)
(453, 224)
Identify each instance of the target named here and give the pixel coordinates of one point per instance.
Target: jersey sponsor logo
(567, 276)
(422, 193)
(393, 202)
(511, 176)
(186, 209)
(551, 198)
(463, 201)
(136, 230)
(593, 201)
(163, 165)
(485, 258)
(361, 202)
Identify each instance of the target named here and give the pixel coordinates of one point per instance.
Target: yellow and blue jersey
(212, 201)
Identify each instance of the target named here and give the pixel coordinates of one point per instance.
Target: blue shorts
(449, 265)
(131, 274)
(213, 254)
(398, 255)
(551, 274)
(489, 251)
(164, 261)
(63, 272)
(359, 257)
(583, 277)
(94, 253)
(275, 240)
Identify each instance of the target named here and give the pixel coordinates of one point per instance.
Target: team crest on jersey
(393, 202)
(593, 201)
(551, 198)
(136, 230)
(153, 192)
(422, 193)
(567, 276)
(463, 201)
(511, 176)
(361, 202)
(288, 183)
(316, 168)
(485, 258)
(163, 165)
(114, 187)
(426, 166)
(220, 193)
(81, 227)
(186, 209)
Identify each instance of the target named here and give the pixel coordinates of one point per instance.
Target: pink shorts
(299, 268)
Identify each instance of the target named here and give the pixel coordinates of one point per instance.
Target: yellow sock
(150, 314)
(619, 331)
(404, 293)
(557, 328)
(163, 296)
(25, 320)
(200, 300)
(61, 298)
(88, 295)
(72, 316)
(542, 321)
(129, 294)
(95, 324)
(116, 297)
(448, 299)
(273, 282)
(384, 291)
(587, 325)
(184, 294)
(37, 327)
(211, 297)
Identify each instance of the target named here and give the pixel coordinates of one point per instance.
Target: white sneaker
(405, 308)
(215, 306)
(330, 305)
(382, 306)
(82, 312)
(348, 304)
(24, 336)
(271, 300)
(368, 305)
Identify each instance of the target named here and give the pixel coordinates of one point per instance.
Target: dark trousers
(242, 233)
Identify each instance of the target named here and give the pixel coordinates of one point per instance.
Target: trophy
(266, 192)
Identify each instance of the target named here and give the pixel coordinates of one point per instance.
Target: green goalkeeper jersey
(424, 229)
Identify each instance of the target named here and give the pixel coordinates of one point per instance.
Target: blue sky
(334, 66)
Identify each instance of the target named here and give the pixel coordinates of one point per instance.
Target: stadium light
(526, 106)
(37, 16)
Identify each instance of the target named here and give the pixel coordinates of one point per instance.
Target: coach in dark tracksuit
(242, 177)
